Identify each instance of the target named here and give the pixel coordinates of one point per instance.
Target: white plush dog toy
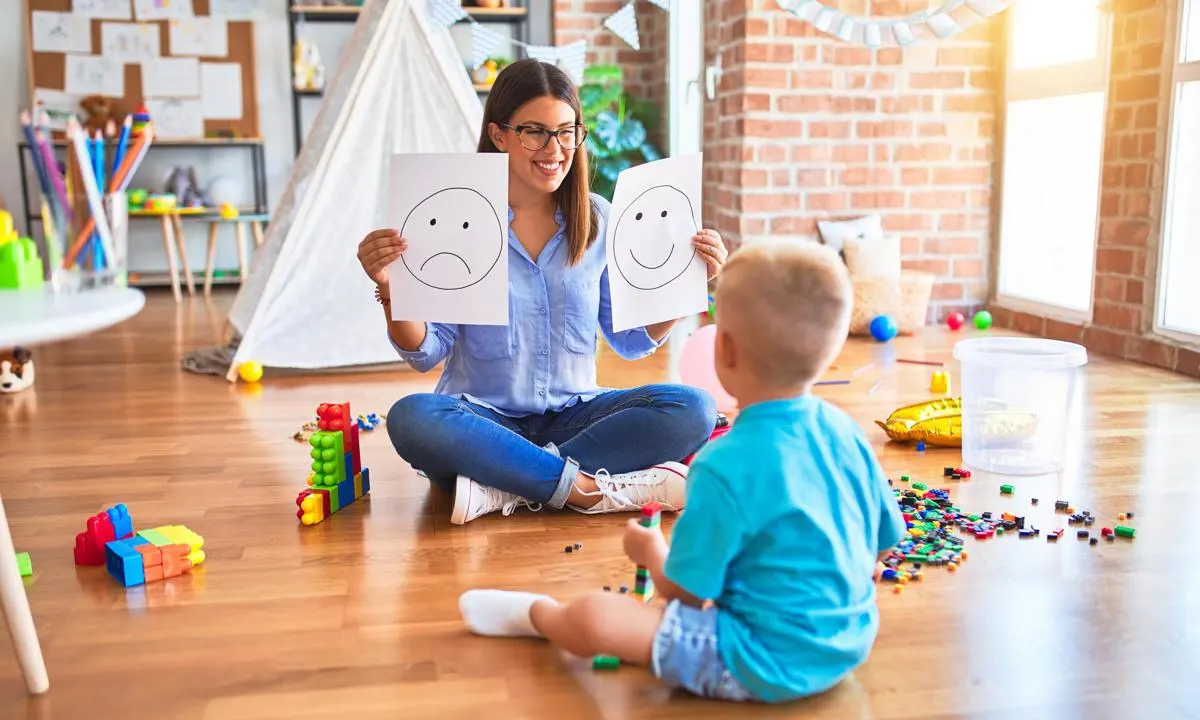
(16, 370)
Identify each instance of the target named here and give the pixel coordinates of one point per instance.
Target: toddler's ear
(725, 349)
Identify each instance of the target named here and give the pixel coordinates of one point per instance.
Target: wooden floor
(358, 617)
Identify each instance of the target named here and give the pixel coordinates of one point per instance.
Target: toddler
(787, 515)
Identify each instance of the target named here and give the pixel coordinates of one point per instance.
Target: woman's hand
(712, 249)
(378, 250)
(645, 546)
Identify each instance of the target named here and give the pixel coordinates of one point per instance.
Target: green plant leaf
(610, 169)
(650, 153)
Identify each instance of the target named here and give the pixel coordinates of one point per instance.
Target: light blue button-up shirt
(545, 358)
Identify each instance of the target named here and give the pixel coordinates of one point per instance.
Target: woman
(517, 418)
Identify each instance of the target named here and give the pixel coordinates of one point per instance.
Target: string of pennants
(951, 18)
(570, 57)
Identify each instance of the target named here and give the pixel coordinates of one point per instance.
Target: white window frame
(685, 70)
(1181, 73)
(1061, 80)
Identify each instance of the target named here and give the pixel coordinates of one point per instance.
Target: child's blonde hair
(788, 306)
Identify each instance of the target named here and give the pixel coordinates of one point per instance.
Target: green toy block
(24, 564)
(1006, 489)
(20, 265)
(329, 459)
(155, 538)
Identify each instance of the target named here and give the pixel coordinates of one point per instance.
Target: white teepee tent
(401, 87)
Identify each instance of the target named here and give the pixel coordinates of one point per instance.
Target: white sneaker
(471, 500)
(665, 483)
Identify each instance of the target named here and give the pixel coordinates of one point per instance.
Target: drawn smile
(453, 255)
(653, 267)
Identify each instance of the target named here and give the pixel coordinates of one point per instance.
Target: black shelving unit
(518, 15)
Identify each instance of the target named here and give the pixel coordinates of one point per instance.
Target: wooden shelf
(350, 13)
(163, 279)
(503, 14)
(182, 142)
(328, 13)
(310, 93)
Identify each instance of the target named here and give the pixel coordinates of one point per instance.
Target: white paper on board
(61, 32)
(238, 9)
(655, 272)
(453, 211)
(91, 75)
(102, 9)
(57, 105)
(202, 37)
(176, 118)
(221, 91)
(129, 42)
(162, 9)
(171, 77)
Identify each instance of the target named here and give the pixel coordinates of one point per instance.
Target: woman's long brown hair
(516, 85)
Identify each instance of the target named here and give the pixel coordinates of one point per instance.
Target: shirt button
(541, 311)
(537, 271)
(541, 392)
(545, 352)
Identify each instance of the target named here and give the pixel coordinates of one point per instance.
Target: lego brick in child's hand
(645, 546)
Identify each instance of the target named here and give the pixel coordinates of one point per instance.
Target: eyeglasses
(536, 137)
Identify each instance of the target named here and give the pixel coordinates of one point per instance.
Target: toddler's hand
(377, 251)
(879, 568)
(645, 546)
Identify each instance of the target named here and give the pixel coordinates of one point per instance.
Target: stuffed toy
(16, 370)
(99, 110)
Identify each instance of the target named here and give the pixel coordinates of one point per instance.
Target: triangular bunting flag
(571, 59)
(623, 23)
(663, 4)
(445, 13)
(543, 53)
(484, 43)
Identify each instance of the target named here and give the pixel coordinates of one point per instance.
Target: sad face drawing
(652, 242)
(454, 239)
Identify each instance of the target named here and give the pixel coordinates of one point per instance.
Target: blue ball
(883, 328)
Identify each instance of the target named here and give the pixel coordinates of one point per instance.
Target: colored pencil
(98, 259)
(832, 382)
(122, 145)
(120, 181)
(78, 137)
(39, 164)
(933, 363)
(56, 178)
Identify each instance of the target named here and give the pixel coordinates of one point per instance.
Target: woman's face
(544, 169)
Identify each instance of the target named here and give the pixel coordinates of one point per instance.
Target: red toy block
(334, 417)
(89, 545)
(355, 457)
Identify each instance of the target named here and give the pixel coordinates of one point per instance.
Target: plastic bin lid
(1026, 353)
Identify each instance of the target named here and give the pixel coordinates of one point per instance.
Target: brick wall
(1131, 200)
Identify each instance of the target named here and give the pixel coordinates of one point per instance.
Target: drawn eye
(664, 213)
(466, 225)
(637, 217)
(433, 221)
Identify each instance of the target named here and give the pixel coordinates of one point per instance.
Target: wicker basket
(905, 299)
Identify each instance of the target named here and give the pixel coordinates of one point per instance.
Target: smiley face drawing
(652, 242)
(454, 239)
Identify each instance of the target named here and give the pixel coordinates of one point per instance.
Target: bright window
(1053, 150)
(1179, 264)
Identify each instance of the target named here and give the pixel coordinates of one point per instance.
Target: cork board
(47, 70)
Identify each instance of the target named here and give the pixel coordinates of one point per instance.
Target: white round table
(30, 317)
(34, 318)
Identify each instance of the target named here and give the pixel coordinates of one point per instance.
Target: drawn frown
(652, 242)
(454, 239)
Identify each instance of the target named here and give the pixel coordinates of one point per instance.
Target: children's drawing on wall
(453, 213)
(163, 10)
(59, 32)
(102, 9)
(129, 42)
(653, 268)
(89, 75)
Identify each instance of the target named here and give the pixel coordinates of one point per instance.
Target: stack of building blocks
(338, 477)
(102, 528)
(153, 555)
(643, 585)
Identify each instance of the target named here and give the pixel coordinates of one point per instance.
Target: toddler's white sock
(499, 613)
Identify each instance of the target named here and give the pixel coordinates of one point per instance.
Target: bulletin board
(48, 70)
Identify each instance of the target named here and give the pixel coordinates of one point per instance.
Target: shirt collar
(559, 218)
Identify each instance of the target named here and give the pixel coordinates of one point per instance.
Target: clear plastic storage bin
(1018, 396)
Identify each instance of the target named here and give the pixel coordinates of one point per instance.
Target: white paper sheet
(57, 105)
(453, 211)
(202, 36)
(129, 42)
(176, 118)
(221, 91)
(238, 9)
(91, 75)
(162, 9)
(61, 32)
(171, 77)
(654, 271)
(103, 9)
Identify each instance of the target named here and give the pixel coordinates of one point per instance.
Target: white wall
(275, 124)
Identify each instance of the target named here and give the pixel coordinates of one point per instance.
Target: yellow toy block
(940, 382)
(312, 509)
(358, 486)
(181, 535)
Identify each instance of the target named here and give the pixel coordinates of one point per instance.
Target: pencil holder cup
(113, 270)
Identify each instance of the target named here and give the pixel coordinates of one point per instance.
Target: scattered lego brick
(1006, 489)
(1125, 532)
(24, 564)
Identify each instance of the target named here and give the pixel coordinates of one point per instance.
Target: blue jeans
(686, 654)
(538, 457)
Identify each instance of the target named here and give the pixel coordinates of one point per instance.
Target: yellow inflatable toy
(939, 422)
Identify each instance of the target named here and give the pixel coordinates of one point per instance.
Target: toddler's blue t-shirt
(786, 516)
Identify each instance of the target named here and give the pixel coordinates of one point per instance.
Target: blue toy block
(346, 492)
(349, 465)
(122, 522)
(366, 481)
(124, 563)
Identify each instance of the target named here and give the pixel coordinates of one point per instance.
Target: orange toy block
(164, 561)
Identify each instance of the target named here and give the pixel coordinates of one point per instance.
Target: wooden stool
(239, 229)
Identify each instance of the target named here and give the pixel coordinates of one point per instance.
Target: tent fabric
(401, 87)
